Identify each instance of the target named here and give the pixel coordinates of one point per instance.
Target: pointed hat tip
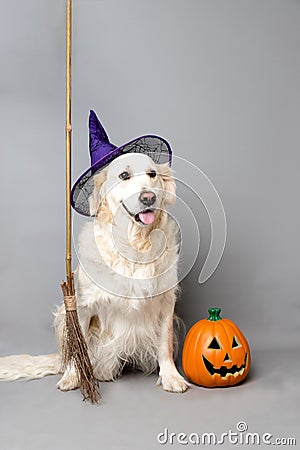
(98, 135)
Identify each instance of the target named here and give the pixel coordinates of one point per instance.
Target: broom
(74, 349)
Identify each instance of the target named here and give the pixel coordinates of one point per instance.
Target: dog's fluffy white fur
(126, 280)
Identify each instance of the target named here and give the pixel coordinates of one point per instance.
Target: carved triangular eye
(214, 344)
(235, 342)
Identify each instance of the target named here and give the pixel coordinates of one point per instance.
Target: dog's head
(134, 186)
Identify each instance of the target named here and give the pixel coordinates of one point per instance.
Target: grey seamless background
(220, 81)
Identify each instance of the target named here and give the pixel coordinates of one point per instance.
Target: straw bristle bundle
(75, 350)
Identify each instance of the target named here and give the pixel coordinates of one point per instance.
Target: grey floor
(35, 415)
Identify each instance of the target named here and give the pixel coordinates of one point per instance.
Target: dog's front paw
(68, 381)
(173, 383)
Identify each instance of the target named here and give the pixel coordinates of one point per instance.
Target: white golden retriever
(126, 280)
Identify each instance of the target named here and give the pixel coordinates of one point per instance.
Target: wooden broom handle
(68, 139)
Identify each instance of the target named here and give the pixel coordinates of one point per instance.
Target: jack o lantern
(215, 352)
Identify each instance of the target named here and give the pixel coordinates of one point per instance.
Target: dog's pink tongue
(147, 217)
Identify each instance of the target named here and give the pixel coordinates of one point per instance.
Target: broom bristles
(75, 351)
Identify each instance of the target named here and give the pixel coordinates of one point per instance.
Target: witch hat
(102, 152)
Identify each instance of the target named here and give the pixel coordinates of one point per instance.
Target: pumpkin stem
(214, 314)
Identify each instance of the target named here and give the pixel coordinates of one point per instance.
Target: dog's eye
(152, 173)
(124, 176)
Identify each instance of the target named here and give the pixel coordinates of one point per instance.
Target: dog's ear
(168, 182)
(98, 192)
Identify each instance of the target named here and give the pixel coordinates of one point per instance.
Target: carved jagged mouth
(225, 372)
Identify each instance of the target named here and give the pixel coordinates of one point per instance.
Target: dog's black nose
(147, 198)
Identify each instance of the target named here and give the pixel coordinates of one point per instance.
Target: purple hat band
(102, 152)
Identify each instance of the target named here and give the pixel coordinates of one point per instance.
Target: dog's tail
(29, 367)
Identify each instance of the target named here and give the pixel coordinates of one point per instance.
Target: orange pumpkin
(215, 352)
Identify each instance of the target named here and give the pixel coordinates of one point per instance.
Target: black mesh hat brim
(155, 147)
